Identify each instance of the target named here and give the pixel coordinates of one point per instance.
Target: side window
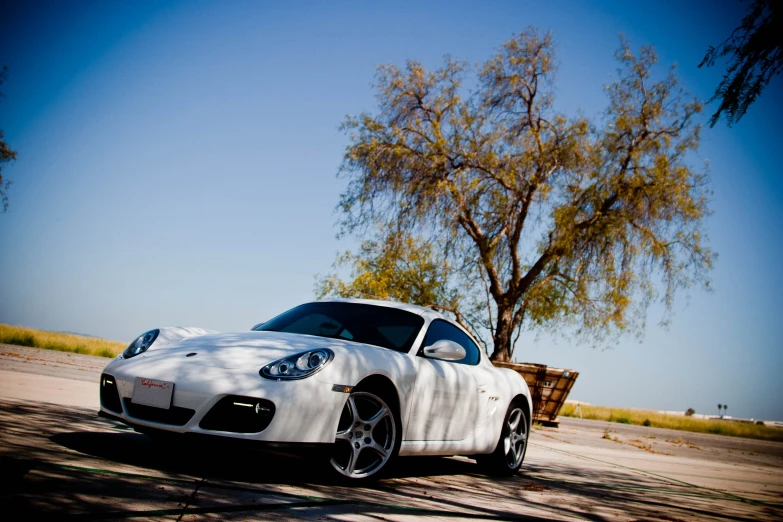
(440, 329)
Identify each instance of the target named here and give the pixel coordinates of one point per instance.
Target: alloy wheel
(366, 436)
(516, 438)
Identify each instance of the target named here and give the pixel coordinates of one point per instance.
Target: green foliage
(756, 51)
(20, 339)
(396, 266)
(6, 155)
(105, 352)
(393, 266)
(532, 217)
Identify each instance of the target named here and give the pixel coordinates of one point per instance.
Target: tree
(6, 155)
(394, 266)
(535, 218)
(720, 406)
(756, 51)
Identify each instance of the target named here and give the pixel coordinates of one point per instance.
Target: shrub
(623, 420)
(681, 422)
(20, 339)
(689, 412)
(646, 422)
(21, 336)
(55, 345)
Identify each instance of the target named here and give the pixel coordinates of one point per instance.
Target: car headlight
(141, 344)
(298, 366)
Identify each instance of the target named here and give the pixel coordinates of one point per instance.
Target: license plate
(150, 392)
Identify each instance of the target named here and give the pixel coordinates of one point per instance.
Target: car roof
(428, 313)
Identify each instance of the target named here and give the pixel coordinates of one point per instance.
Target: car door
(445, 399)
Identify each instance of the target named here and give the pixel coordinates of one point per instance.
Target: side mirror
(445, 350)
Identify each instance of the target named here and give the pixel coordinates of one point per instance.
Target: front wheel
(367, 437)
(510, 451)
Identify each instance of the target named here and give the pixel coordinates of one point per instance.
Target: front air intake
(175, 415)
(239, 414)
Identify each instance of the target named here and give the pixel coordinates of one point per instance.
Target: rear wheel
(367, 437)
(510, 451)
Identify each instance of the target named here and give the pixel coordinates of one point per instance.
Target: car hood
(241, 350)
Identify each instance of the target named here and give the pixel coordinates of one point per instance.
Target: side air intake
(239, 414)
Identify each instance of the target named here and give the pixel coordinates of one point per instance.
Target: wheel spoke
(513, 420)
(344, 435)
(351, 466)
(353, 411)
(378, 449)
(513, 453)
(378, 417)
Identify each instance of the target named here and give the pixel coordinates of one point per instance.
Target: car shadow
(237, 462)
(59, 460)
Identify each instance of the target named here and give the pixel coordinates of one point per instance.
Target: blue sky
(176, 166)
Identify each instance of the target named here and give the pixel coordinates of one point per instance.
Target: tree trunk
(502, 337)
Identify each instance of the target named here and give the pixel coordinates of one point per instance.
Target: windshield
(377, 325)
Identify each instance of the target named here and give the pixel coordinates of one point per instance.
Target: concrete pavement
(59, 460)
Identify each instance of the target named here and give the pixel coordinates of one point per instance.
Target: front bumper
(298, 411)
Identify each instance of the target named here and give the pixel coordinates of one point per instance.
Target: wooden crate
(549, 388)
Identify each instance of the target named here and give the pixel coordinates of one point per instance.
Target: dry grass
(675, 422)
(59, 341)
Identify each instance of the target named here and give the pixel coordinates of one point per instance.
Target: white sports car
(362, 380)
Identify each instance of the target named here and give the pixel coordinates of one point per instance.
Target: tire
(367, 439)
(512, 446)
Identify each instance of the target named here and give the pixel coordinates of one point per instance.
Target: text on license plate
(150, 392)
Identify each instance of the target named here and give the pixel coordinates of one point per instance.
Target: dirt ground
(59, 460)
